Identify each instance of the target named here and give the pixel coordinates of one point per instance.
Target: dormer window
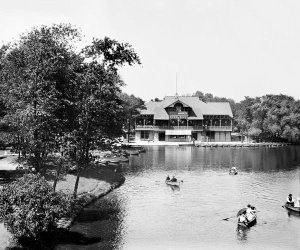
(178, 107)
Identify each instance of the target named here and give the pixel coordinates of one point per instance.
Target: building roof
(199, 107)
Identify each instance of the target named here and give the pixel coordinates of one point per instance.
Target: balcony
(193, 128)
(219, 128)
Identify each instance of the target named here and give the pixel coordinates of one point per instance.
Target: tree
(131, 106)
(97, 107)
(270, 117)
(33, 73)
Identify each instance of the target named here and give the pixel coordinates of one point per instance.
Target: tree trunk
(76, 183)
(57, 174)
(129, 121)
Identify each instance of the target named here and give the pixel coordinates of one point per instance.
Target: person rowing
(168, 178)
(173, 179)
(290, 200)
(233, 170)
(250, 212)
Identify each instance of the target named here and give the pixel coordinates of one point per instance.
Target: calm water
(145, 213)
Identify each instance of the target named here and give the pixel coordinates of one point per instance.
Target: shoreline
(208, 144)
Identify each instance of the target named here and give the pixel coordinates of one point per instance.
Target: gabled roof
(218, 108)
(199, 107)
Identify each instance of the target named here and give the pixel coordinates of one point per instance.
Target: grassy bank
(95, 182)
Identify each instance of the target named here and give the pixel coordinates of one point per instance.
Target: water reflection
(242, 233)
(97, 227)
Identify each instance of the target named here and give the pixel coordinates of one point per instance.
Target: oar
(229, 218)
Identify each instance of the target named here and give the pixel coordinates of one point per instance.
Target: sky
(232, 48)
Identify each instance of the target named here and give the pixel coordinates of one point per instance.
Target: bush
(30, 209)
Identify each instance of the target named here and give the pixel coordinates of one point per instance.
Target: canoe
(295, 209)
(233, 172)
(248, 224)
(173, 183)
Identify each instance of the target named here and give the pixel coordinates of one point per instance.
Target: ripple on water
(151, 215)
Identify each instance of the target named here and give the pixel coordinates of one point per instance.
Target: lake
(145, 213)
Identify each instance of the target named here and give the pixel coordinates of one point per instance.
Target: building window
(145, 134)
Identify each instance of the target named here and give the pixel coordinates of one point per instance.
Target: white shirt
(242, 218)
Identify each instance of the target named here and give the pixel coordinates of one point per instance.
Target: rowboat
(248, 223)
(233, 171)
(294, 209)
(173, 183)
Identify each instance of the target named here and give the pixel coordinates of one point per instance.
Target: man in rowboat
(249, 213)
(173, 179)
(290, 200)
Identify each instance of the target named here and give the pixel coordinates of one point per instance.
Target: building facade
(184, 119)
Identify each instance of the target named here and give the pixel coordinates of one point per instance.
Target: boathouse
(184, 119)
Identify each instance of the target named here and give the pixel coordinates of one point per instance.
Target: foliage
(33, 73)
(270, 117)
(59, 99)
(29, 207)
(131, 108)
(97, 111)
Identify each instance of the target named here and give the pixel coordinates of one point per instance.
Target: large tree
(98, 111)
(33, 73)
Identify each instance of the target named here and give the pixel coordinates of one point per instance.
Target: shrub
(29, 208)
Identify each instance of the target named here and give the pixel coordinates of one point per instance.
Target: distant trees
(269, 118)
(131, 107)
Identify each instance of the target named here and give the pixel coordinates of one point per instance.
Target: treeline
(266, 118)
(59, 101)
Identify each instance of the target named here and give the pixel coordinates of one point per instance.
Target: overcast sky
(232, 48)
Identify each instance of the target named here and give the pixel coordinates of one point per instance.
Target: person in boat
(173, 179)
(233, 170)
(290, 200)
(249, 213)
(243, 218)
(168, 178)
(297, 204)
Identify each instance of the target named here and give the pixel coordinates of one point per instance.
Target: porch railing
(210, 128)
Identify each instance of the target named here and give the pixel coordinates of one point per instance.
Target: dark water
(145, 213)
